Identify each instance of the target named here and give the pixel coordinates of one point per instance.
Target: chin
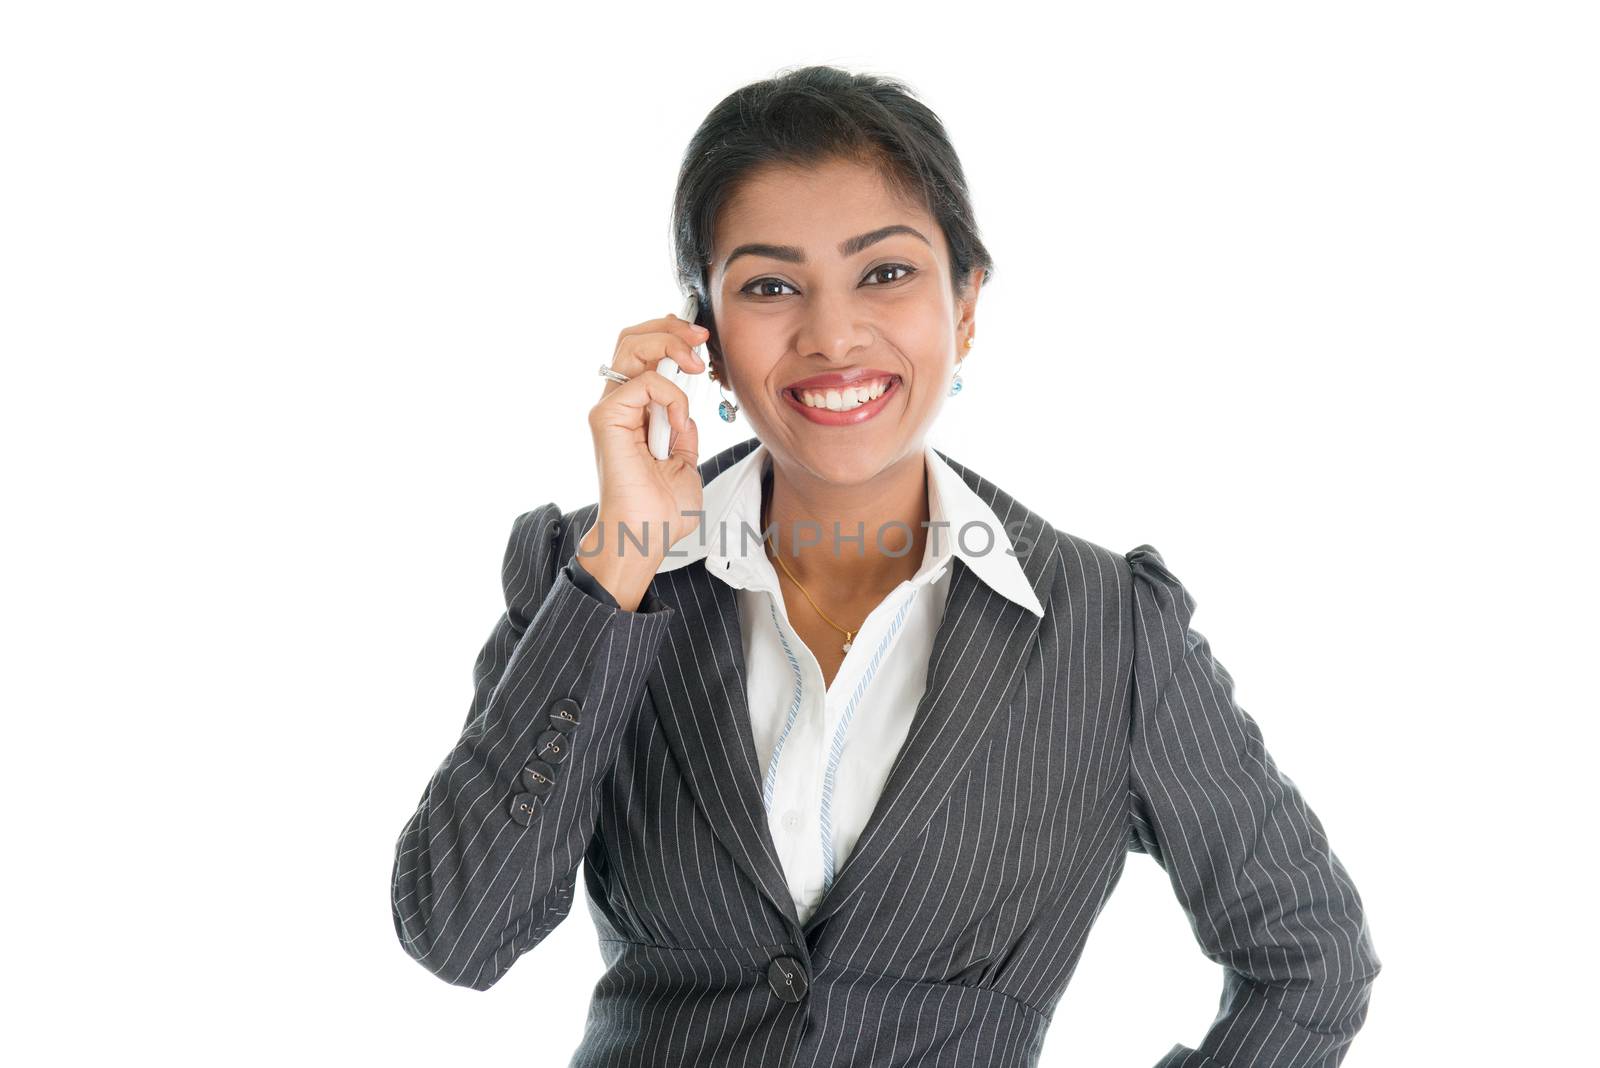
(850, 460)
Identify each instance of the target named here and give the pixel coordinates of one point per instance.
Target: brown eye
(765, 282)
(876, 271)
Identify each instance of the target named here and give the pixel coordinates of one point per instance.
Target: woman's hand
(638, 493)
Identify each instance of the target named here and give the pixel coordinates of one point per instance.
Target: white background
(297, 296)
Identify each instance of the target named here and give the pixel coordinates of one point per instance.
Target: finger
(638, 366)
(686, 444)
(674, 338)
(639, 353)
(646, 350)
(627, 408)
(691, 333)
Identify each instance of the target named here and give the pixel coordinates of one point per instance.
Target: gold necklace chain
(849, 635)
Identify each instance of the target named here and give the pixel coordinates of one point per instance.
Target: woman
(855, 791)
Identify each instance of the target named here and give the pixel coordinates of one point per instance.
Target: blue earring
(955, 383)
(728, 410)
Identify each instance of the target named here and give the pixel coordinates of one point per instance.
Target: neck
(815, 526)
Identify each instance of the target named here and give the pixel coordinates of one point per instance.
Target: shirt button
(787, 978)
(791, 820)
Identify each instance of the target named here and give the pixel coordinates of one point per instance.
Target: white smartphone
(660, 430)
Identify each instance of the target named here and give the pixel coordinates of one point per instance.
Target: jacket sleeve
(486, 866)
(589, 584)
(1248, 859)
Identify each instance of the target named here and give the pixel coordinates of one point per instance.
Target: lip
(829, 417)
(841, 379)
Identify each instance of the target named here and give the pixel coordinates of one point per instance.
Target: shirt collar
(728, 538)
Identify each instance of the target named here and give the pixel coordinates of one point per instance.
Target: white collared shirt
(826, 750)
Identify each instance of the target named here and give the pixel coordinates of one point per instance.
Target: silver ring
(615, 376)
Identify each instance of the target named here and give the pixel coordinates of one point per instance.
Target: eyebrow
(848, 248)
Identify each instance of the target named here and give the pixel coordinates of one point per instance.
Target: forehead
(814, 207)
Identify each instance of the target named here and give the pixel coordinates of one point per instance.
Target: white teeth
(842, 400)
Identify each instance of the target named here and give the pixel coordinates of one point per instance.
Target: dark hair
(808, 116)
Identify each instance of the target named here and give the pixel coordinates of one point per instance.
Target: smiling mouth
(843, 399)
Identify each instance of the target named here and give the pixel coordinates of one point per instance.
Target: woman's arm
(1248, 859)
(487, 864)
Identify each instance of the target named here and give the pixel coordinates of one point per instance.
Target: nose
(834, 328)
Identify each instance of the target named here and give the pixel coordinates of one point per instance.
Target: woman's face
(806, 289)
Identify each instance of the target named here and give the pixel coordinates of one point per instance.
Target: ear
(967, 304)
(713, 343)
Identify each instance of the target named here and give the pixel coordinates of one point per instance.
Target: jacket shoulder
(1090, 573)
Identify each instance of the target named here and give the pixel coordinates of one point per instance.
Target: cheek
(931, 351)
(749, 352)
(924, 327)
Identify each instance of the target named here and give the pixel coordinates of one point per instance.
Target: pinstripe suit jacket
(1042, 752)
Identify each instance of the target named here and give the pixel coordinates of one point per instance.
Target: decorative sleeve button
(522, 808)
(537, 778)
(564, 713)
(551, 746)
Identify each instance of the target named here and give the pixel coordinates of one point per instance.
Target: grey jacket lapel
(700, 696)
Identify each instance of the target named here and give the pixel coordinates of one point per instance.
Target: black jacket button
(522, 808)
(564, 713)
(551, 746)
(787, 978)
(538, 778)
